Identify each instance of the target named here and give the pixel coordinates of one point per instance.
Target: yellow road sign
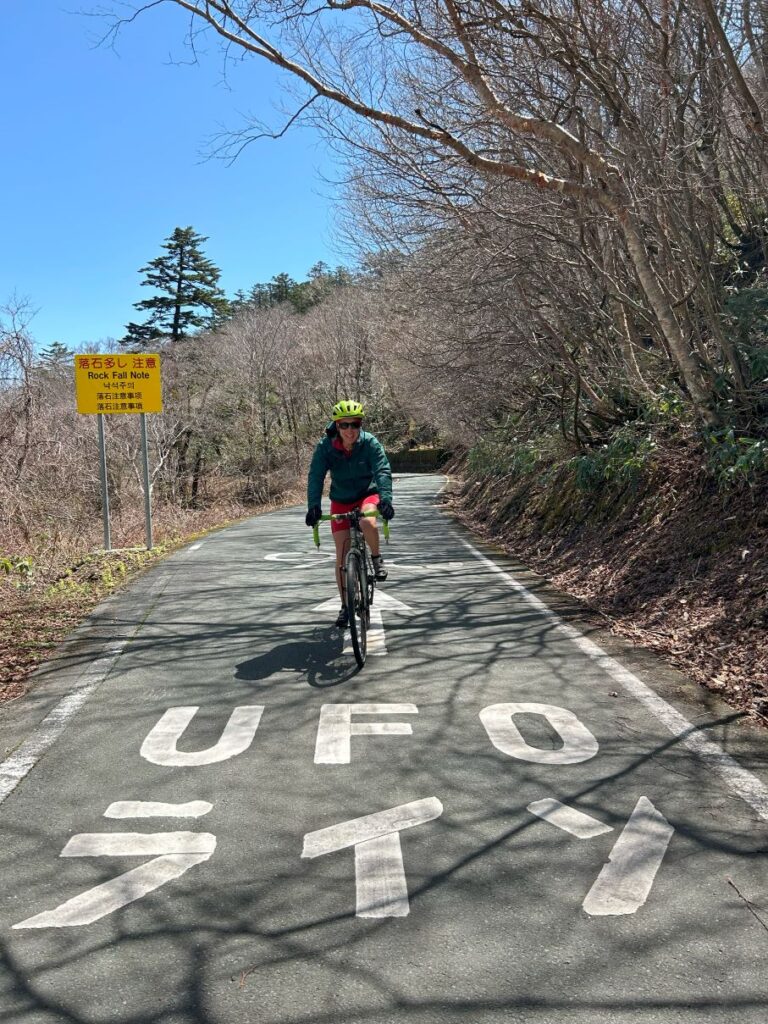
(127, 383)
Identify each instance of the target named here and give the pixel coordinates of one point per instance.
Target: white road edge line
(742, 782)
(23, 760)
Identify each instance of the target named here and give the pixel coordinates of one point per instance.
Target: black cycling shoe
(342, 620)
(379, 569)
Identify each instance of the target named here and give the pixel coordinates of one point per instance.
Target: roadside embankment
(668, 559)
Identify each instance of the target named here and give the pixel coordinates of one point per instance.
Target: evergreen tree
(322, 281)
(189, 297)
(280, 287)
(303, 295)
(56, 354)
(259, 297)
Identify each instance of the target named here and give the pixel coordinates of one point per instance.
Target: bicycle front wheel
(357, 605)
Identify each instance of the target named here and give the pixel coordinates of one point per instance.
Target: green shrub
(20, 569)
(508, 456)
(623, 461)
(68, 587)
(668, 405)
(733, 459)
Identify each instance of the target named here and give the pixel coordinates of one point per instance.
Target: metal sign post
(120, 383)
(147, 492)
(104, 488)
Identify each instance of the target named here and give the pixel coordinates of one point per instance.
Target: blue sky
(103, 158)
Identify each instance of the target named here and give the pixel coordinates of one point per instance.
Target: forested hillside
(560, 212)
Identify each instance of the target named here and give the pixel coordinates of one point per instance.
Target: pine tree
(322, 281)
(189, 297)
(259, 297)
(57, 354)
(280, 287)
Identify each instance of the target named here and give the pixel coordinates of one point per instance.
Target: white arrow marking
(377, 644)
(577, 823)
(625, 881)
(380, 601)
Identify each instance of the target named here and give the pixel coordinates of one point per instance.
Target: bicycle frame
(357, 576)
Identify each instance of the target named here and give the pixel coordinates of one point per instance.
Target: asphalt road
(209, 816)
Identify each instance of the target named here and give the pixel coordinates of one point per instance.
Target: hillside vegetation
(669, 558)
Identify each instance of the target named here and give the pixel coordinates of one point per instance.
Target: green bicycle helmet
(347, 408)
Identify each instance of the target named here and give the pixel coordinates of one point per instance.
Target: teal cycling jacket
(365, 471)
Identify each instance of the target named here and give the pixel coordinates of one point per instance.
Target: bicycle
(358, 577)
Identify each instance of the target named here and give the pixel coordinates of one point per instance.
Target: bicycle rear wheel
(357, 605)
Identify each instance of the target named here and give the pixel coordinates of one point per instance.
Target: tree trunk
(663, 312)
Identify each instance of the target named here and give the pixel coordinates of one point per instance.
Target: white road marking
(742, 782)
(151, 809)
(376, 640)
(19, 764)
(309, 557)
(380, 883)
(380, 601)
(178, 852)
(625, 881)
(381, 886)
(160, 745)
(578, 742)
(194, 547)
(370, 826)
(138, 844)
(570, 820)
(418, 567)
(336, 728)
(377, 643)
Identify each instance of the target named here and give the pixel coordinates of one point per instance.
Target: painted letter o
(578, 742)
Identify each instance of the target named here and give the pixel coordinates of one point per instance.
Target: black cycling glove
(313, 516)
(386, 509)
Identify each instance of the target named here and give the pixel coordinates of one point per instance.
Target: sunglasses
(354, 425)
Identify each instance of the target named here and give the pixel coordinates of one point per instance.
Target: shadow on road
(320, 659)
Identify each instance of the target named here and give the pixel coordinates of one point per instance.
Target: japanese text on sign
(127, 383)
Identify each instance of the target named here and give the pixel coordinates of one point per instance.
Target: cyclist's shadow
(319, 658)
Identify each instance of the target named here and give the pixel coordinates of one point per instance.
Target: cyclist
(360, 478)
